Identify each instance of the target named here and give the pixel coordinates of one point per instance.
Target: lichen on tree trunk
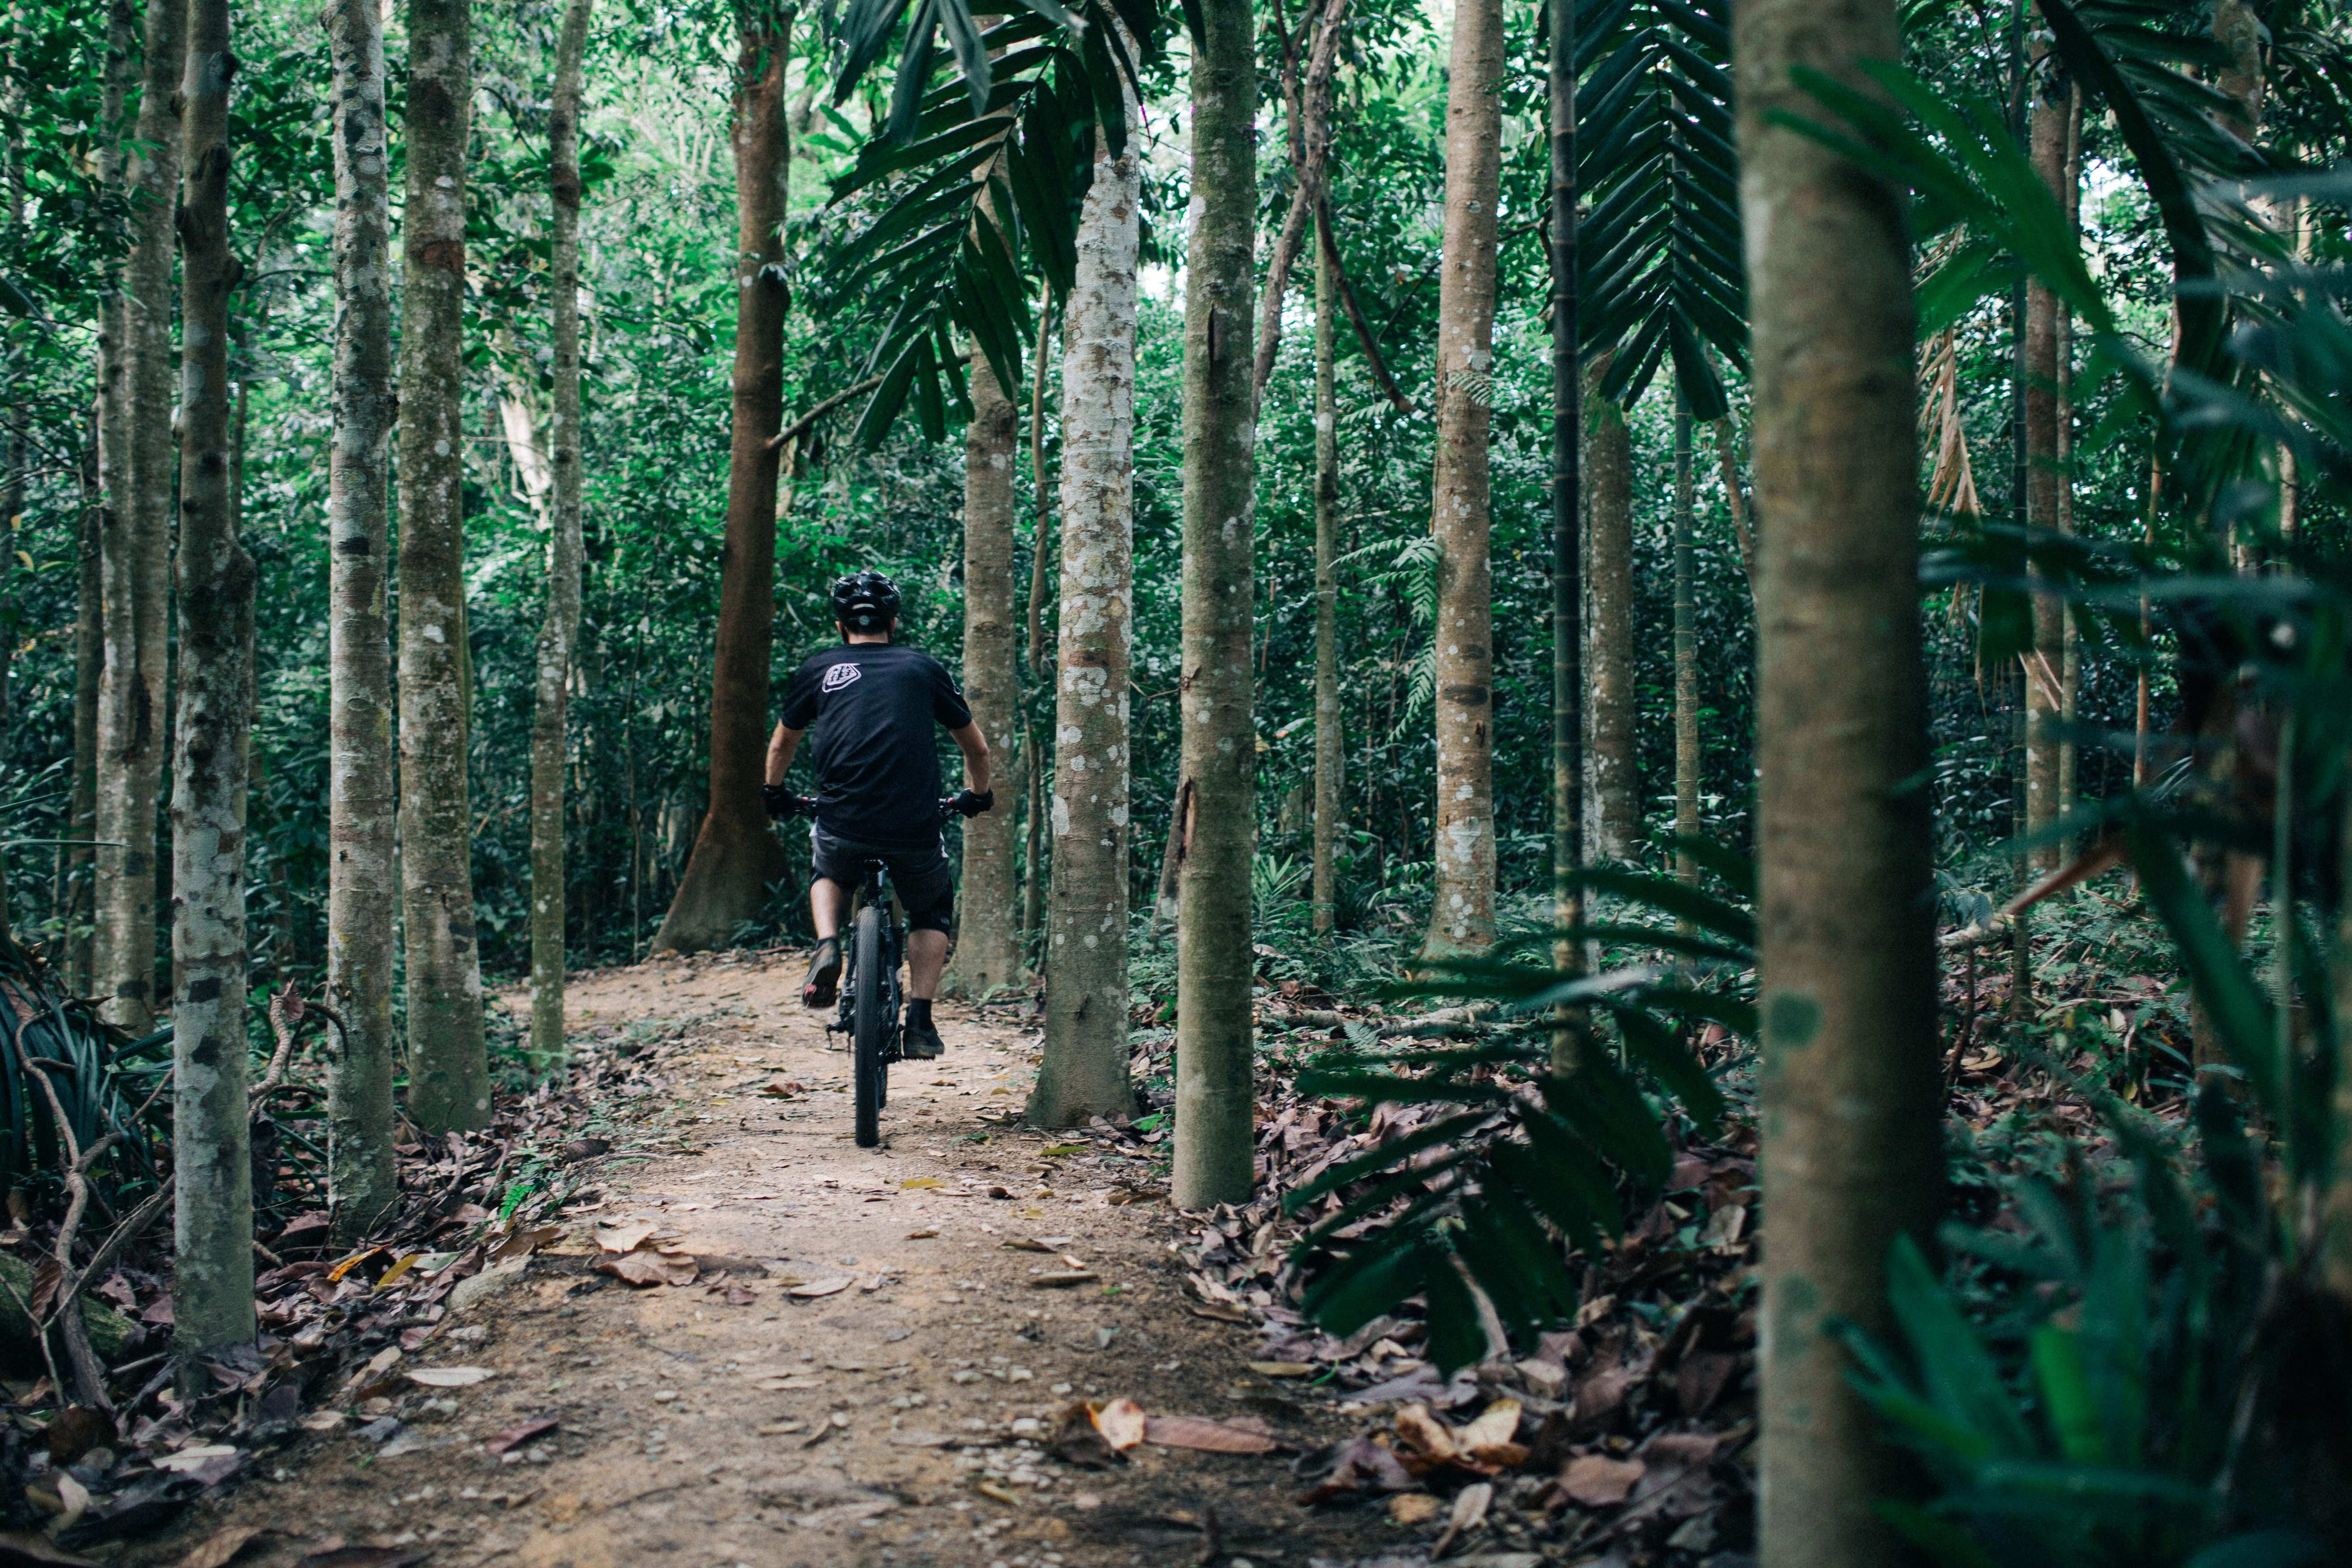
(1851, 1088)
(1217, 803)
(362, 890)
(448, 1069)
(987, 952)
(212, 1272)
(1462, 911)
(1612, 759)
(1084, 1070)
(134, 545)
(560, 620)
(735, 855)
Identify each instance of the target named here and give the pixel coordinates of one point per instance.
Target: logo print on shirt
(841, 675)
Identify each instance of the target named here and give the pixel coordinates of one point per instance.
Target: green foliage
(1510, 1162)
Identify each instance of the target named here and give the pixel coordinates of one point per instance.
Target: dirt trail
(899, 1418)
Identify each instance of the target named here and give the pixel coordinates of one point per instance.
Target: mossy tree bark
(988, 951)
(1331, 733)
(1217, 803)
(1084, 1072)
(362, 891)
(1613, 761)
(2043, 699)
(1851, 1088)
(212, 1271)
(135, 547)
(1461, 913)
(735, 856)
(448, 1066)
(559, 625)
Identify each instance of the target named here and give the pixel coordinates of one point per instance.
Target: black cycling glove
(972, 802)
(781, 802)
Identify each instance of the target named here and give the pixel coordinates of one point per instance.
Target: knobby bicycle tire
(871, 1021)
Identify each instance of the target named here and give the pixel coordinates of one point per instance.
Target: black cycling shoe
(920, 1041)
(823, 981)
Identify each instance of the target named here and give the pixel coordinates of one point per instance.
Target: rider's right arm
(781, 747)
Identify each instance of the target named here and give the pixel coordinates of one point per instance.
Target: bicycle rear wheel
(872, 1023)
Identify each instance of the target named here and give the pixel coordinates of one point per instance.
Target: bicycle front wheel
(871, 1018)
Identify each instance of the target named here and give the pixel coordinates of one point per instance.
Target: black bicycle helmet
(866, 602)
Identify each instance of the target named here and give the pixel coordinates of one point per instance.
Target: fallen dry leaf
(224, 1545)
(1000, 1494)
(1204, 1435)
(1121, 1423)
(1024, 1244)
(1499, 1423)
(1062, 1279)
(515, 1437)
(1429, 1440)
(648, 1269)
(194, 1459)
(625, 1238)
(817, 1287)
(1283, 1368)
(1412, 1508)
(449, 1376)
(1470, 1505)
(1075, 1440)
(1597, 1480)
(922, 1235)
(917, 1183)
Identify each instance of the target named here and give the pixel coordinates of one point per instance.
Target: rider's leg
(927, 955)
(828, 900)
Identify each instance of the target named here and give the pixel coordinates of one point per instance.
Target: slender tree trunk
(1686, 754)
(1330, 740)
(1566, 522)
(559, 625)
(1083, 1073)
(1735, 497)
(1608, 508)
(1310, 145)
(448, 1069)
(211, 1273)
(735, 855)
(2042, 696)
(90, 652)
(988, 952)
(363, 896)
(1852, 1094)
(2070, 672)
(135, 542)
(1461, 913)
(1032, 846)
(1216, 806)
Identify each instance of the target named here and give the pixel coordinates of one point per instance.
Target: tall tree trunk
(1330, 739)
(135, 549)
(1686, 755)
(90, 652)
(211, 1273)
(560, 624)
(2042, 697)
(988, 952)
(1462, 912)
(1566, 513)
(2070, 670)
(1852, 1094)
(1083, 1073)
(1216, 805)
(448, 1068)
(735, 855)
(1614, 761)
(361, 880)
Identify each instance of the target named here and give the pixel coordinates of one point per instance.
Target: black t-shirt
(872, 706)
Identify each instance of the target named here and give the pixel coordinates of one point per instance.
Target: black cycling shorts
(926, 888)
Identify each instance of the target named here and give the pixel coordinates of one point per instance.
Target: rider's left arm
(974, 747)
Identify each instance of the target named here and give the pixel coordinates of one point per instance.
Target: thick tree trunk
(1852, 1155)
(361, 881)
(735, 855)
(1614, 761)
(212, 1271)
(1462, 912)
(448, 1069)
(1566, 510)
(1330, 737)
(1686, 753)
(90, 652)
(2042, 696)
(987, 952)
(1083, 1073)
(1216, 805)
(559, 623)
(135, 546)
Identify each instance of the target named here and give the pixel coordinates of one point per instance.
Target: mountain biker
(872, 703)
